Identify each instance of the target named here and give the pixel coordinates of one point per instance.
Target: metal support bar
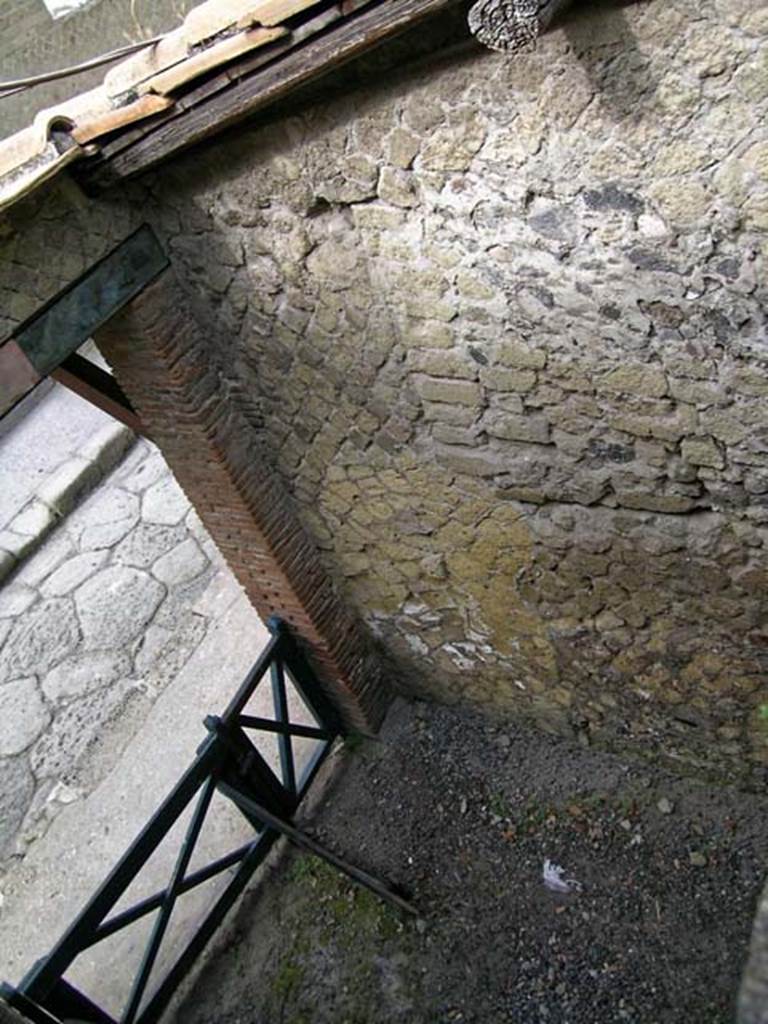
(169, 901)
(247, 767)
(306, 842)
(146, 906)
(99, 388)
(276, 648)
(324, 711)
(280, 700)
(207, 929)
(229, 762)
(267, 725)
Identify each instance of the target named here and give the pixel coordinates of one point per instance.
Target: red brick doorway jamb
(168, 369)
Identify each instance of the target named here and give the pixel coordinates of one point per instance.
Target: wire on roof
(20, 84)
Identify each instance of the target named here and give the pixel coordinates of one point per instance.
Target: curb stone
(60, 492)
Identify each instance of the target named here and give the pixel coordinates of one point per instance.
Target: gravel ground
(463, 815)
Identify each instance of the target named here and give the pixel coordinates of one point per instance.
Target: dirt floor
(463, 816)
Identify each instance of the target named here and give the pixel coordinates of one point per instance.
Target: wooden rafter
(89, 381)
(337, 34)
(229, 59)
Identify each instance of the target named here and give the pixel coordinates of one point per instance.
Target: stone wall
(49, 240)
(504, 322)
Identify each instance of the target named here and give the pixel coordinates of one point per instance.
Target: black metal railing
(228, 762)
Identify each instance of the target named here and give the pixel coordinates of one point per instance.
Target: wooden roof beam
(344, 30)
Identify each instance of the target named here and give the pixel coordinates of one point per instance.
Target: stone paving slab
(93, 627)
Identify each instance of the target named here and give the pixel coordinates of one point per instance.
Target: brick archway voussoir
(164, 360)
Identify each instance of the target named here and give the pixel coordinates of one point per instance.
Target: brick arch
(164, 361)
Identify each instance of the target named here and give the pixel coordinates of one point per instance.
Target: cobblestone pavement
(44, 890)
(93, 627)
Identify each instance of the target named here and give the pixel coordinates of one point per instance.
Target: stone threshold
(60, 492)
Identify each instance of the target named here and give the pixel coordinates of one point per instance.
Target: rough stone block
(180, 565)
(85, 673)
(397, 187)
(430, 307)
(702, 451)
(510, 427)
(455, 435)
(530, 495)
(428, 334)
(62, 490)
(108, 446)
(443, 412)
(664, 427)
(7, 564)
(672, 504)
(696, 392)
(724, 425)
(116, 604)
(443, 363)
(46, 559)
(165, 503)
(636, 379)
(64, 743)
(16, 599)
(17, 787)
(72, 573)
(452, 147)
(521, 357)
(373, 217)
(42, 636)
(23, 716)
(142, 467)
(460, 392)
(496, 379)
(749, 380)
(148, 542)
(482, 462)
(106, 518)
(402, 147)
(35, 520)
(471, 286)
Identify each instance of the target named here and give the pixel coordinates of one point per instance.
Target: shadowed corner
(622, 76)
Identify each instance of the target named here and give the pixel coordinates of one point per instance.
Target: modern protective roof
(228, 59)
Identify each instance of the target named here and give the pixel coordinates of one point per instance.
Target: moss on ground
(341, 926)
